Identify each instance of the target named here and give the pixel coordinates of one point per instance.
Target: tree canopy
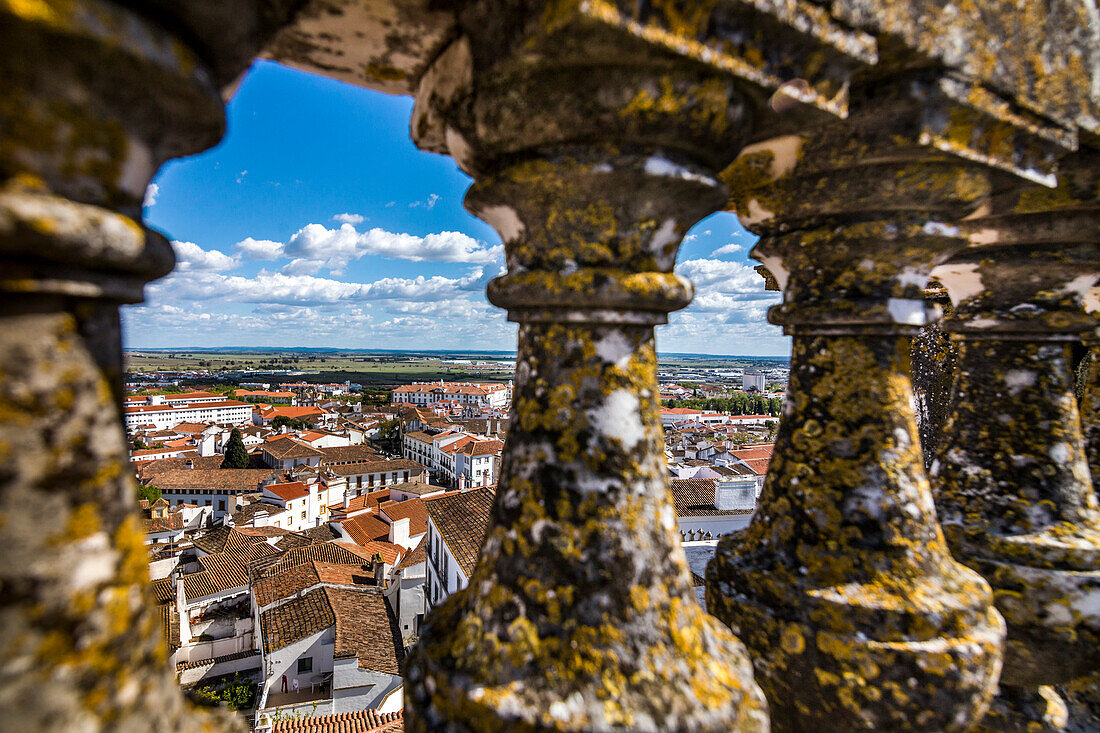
(236, 455)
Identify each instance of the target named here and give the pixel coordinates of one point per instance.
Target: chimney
(729, 495)
(399, 533)
(189, 463)
(461, 482)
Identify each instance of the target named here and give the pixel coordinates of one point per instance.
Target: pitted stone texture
(83, 649)
(1016, 502)
(95, 97)
(1030, 709)
(580, 614)
(1082, 698)
(842, 586)
(383, 45)
(934, 359)
(1089, 408)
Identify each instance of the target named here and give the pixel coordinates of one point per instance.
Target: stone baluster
(580, 614)
(1089, 403)
(92, 98)
(1012, 482)
(842, 587)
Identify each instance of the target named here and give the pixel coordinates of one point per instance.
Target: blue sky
(317, 222)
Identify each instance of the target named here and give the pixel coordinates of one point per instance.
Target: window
(303, 515)
(221, 505)
(305, 665)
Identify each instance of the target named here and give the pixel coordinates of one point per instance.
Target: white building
(707, 509)
(481, 395)
(163, 413)
(753, 380)
(329, 644)
(305, 505)
(457, 522)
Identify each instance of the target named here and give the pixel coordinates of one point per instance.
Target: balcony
(874, 146)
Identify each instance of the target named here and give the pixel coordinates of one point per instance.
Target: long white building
(163, 413)
(494, 396)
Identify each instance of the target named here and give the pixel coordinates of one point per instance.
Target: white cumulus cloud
(338, 247)
(151, 193)
(729, 249)
(349, 218)
(191, 257)
(259, 249)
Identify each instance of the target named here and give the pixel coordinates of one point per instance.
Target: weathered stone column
(580, 614)
(1089, 406)
(933, 358)
(92, 99)
(1013, 487)
(842, 587)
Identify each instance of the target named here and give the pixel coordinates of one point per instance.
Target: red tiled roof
(462, 519)
(356, 721)
(365, 527)
(134, 409)
(289, 491)
(411, 508)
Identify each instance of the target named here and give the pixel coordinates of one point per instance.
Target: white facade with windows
(163, 415)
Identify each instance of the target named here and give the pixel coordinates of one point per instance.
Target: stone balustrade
(868, 142)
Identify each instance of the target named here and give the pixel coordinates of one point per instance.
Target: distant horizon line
(226, 349)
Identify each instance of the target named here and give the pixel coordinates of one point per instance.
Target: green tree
(236, 455)
(294, 423)
(150, 493)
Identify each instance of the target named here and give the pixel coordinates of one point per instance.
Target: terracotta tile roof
(301, 577)
(417, 556)
(337, 553)
(484, 448)
(289, 491)
(755, 452)
(217, 660)
(366, 629)
(244, 516)
(347, 454)
(220, 572)
(420, 435)
(462, 519)
(290, 447)
(356, 721)
(359, 504)
(163, 592)
(390, 552)
(134, 409)
(299, 411)
(759, 466)
(161, 465)
(295, 620)
(239, 480)
(170, 626)
(694, 497)
(365, 527)
(384, 466)
(411, 508)
(415, 487)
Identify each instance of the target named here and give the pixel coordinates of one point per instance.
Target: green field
(373, 369)
(366, 369)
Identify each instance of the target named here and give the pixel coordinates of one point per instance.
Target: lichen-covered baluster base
(843, 577)
(1089, 408)
(1025, 710)
(581, 614)
(1016, 503)
(83, 647)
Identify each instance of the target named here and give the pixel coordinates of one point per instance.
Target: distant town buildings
(754, 380)
(481, 396)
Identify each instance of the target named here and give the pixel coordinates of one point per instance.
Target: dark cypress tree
(236, 456)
